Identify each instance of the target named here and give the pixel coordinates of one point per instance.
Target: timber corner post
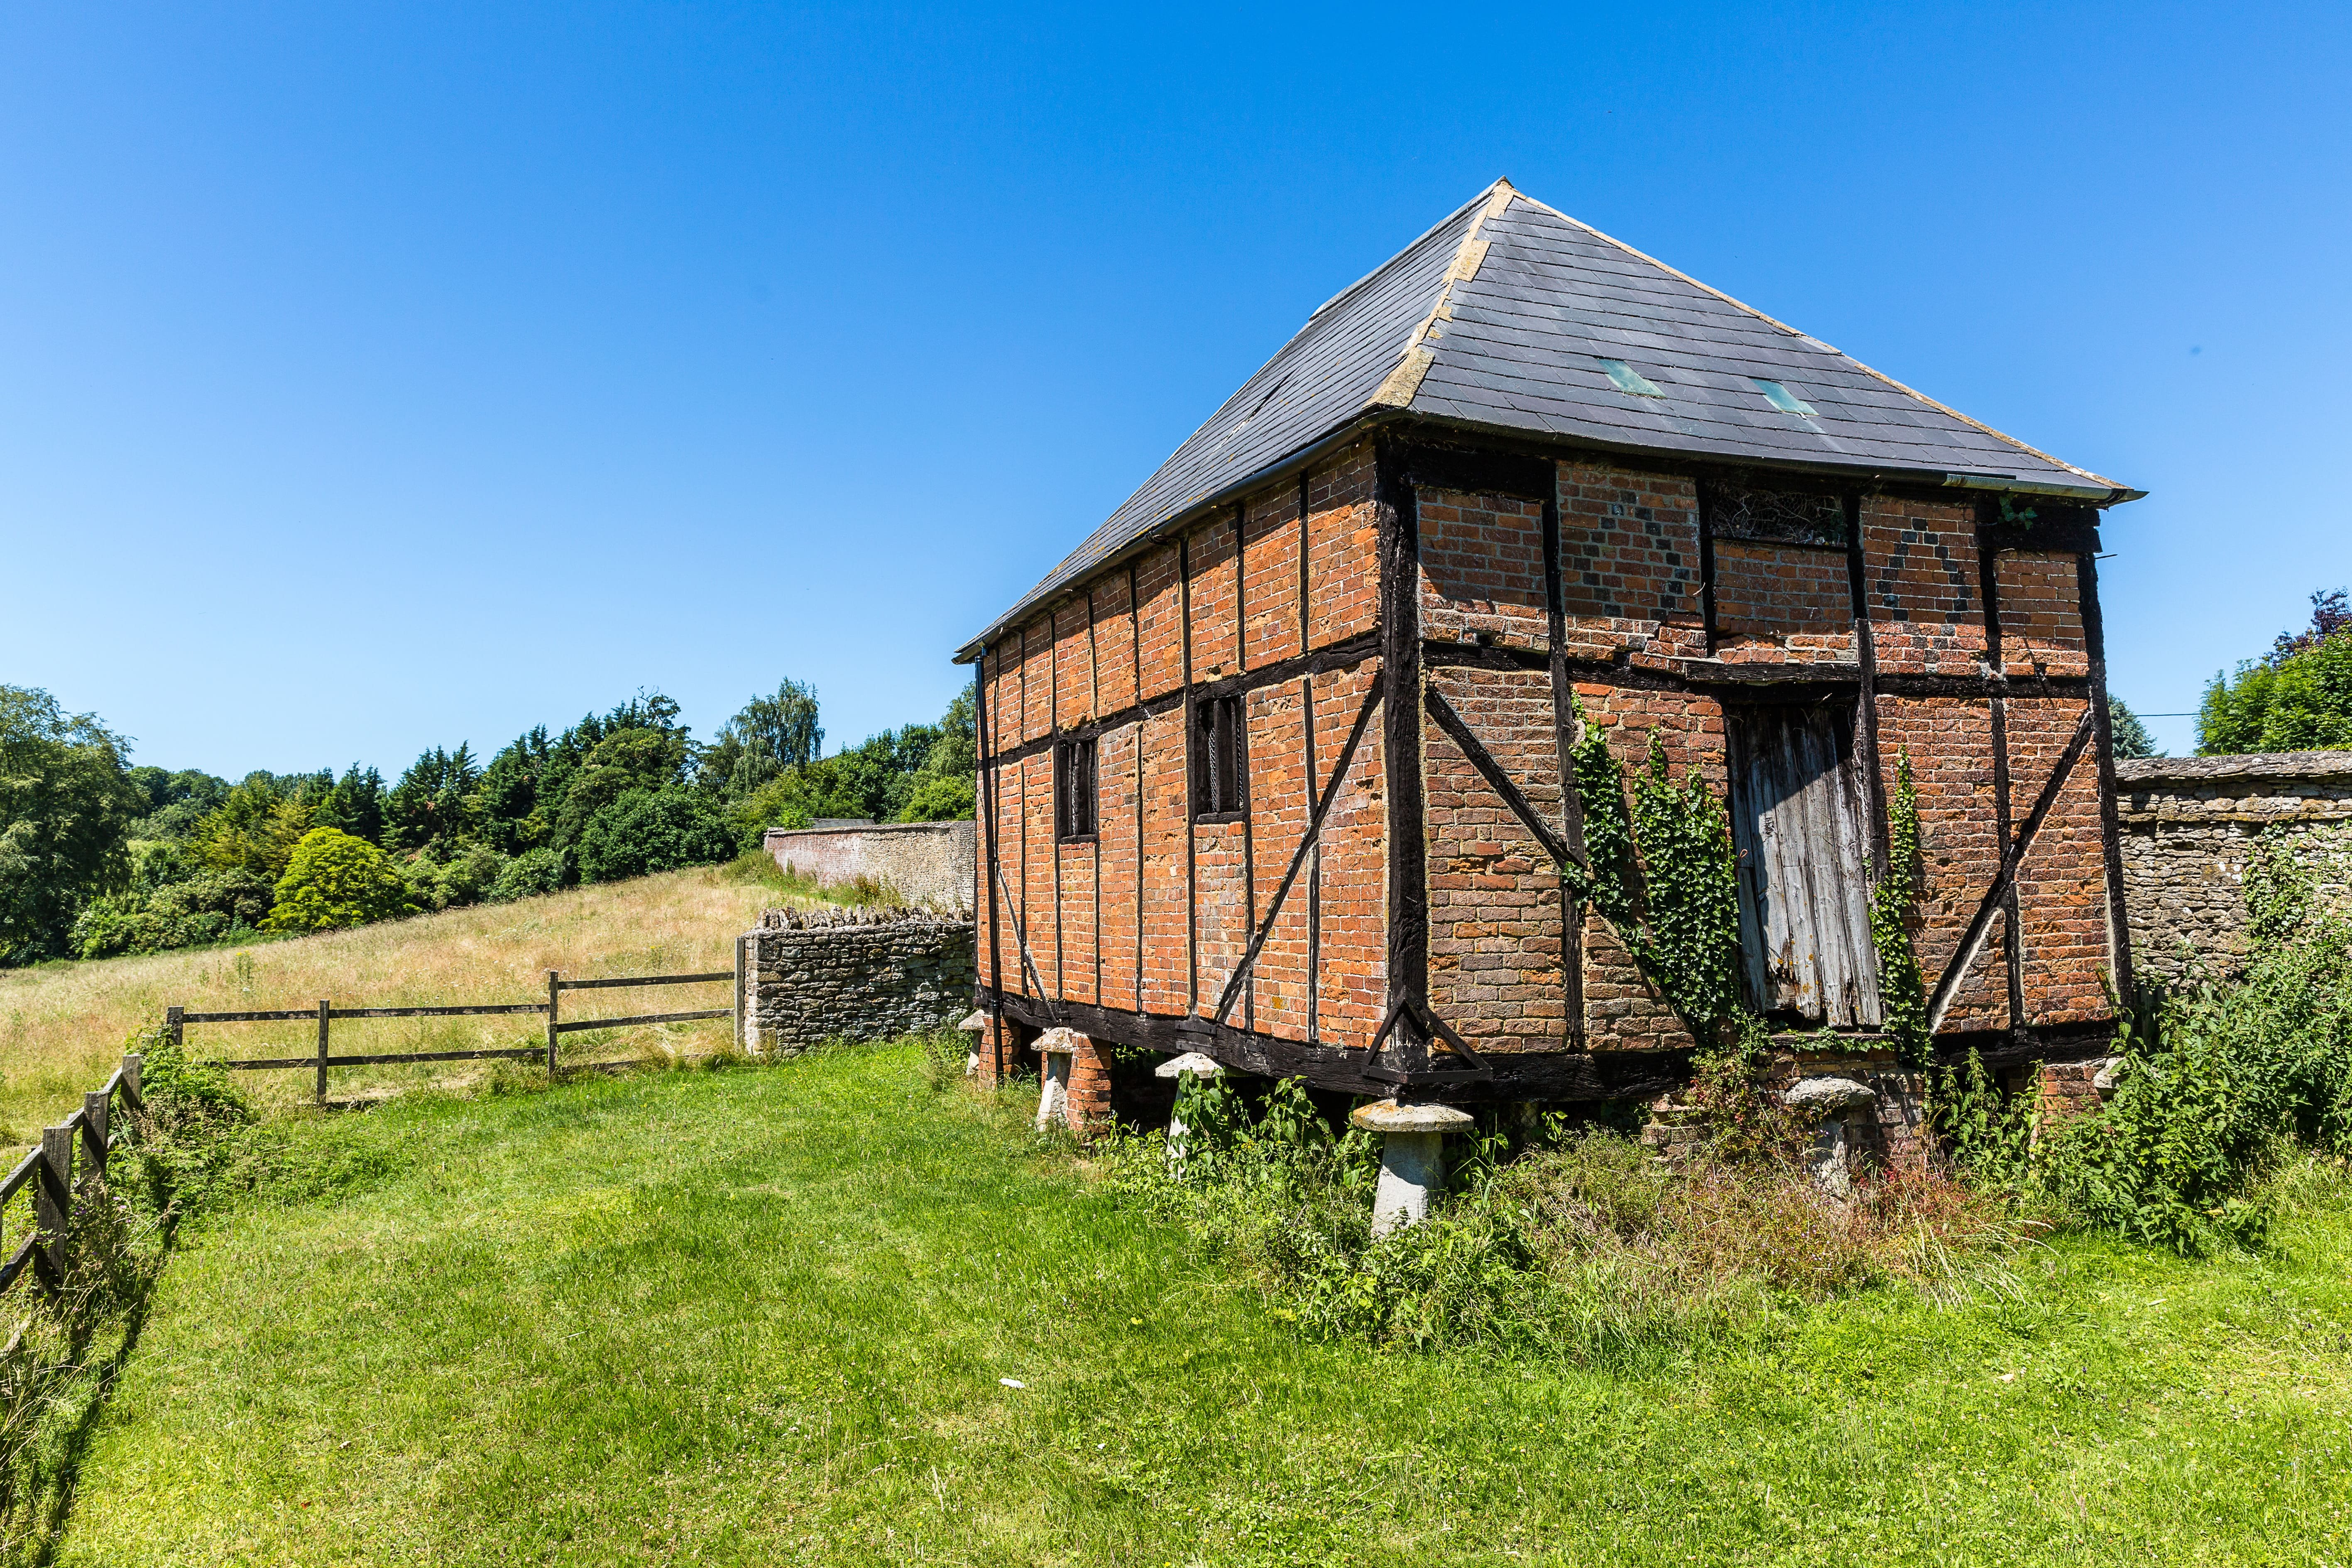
(1402, 761)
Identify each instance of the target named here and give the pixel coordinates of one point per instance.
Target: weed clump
(2216, 1088)
(1552, 1241)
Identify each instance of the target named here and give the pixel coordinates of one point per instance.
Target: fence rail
(326, 1015)
(48, 1170)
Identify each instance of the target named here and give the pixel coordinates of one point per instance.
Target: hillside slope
(62, 1027)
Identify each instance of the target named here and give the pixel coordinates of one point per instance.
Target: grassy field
(62, 1026)
(766, 1315)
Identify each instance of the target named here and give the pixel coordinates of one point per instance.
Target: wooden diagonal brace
(1973, 938)
(1500, 782)
(1021, 940)
(1305, 844)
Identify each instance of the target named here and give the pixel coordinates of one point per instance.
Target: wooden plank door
(1798, 821)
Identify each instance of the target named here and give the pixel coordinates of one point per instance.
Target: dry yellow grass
(62, 1028)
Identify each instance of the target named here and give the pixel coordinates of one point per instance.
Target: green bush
(654, 830)
(334, 880)
(2222, 1083)
(466, 877)
(941, 800)
(217, 907)
(528, 875)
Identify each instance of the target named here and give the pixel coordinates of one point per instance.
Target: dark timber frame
(1416, 1053)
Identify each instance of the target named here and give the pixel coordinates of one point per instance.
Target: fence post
(94, 1106)
(554, 990)
(324, 1012)
(136, 1096)
(742, 1012)
(53, 1201)
(174, 1029)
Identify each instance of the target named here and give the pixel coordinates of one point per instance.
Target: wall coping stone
(844, 825)
(859, 915)
(2265, 765)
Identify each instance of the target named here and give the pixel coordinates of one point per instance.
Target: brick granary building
(1271, 766)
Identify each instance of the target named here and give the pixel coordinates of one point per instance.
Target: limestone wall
(2188, 825)
(853, 974)
(929, 863)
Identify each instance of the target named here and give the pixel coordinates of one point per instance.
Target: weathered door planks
(1799, 823)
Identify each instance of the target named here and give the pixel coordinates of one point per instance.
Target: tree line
(99, 857)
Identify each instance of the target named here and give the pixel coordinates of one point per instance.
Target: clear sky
(375, 377)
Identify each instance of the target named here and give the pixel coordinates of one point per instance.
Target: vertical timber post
(1865, 705)
(2095, 642)
(94, 1107)
(554, 1000)
(1191, 834)
(53, 1202)
(983, 726)
(2003, 810)
(1314, 787)
(133, 1095)
(1563, 719)
(325, 1012)
(174, 1029)
(1401, 676)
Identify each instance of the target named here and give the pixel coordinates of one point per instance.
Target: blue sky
(375, 377)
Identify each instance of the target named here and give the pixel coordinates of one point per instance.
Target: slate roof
(1501, 317)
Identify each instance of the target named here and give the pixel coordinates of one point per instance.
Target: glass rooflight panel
(1628, 379)
(1781, 398)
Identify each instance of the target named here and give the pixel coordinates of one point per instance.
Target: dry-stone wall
(2188, 823)
(853, 974)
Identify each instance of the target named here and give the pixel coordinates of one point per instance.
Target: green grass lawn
(761, 1316)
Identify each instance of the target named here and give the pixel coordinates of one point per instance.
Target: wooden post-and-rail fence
(177, 1019)
(49, 1172)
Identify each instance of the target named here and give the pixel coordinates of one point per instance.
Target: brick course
(1781, 601)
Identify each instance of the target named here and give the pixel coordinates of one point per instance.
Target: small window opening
(1220, 761)
(1781, 398)
(1074, 789)
(1628, 379)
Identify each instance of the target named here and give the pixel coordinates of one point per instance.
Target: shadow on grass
(44, 1491)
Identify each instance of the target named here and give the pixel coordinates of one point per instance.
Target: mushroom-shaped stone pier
(1413, 1157)
(1191, 1064)
(1827, 1102)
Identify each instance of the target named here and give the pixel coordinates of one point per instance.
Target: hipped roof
(1501, 317)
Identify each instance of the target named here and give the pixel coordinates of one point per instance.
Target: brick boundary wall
(2189, 825)
(928, 863)
(853, 974)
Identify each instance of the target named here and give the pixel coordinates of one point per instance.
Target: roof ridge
(1397, 389)
(1783, 326)
(1406, 249)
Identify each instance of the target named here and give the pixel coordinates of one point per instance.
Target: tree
(770, 735)
(355, 804)
(626, 760)
(2131, 736)
(654, 830)
(520, 802)
(429, 810)
(67, 803)
(334, 880)
(2297, 698)
(254, 828)
(176, 802)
